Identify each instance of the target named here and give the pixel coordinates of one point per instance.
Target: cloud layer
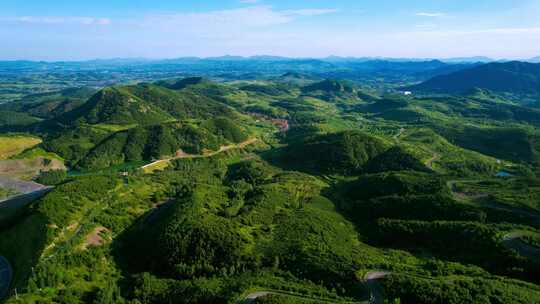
(256, 28)
(58, 20)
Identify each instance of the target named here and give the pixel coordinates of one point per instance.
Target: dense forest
(284, 188)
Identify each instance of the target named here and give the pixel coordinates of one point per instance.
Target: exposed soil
(21, 187)
(95, 237)
(29, 168)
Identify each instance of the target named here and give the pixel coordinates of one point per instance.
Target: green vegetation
(293, 188)
(7, 192)
(345, 152)
(15, 144)
(52, 177)
(155, 142)
(510, 77)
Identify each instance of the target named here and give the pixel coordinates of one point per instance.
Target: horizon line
(480, 57)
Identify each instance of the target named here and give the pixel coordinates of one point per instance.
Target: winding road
(376, 292)
(513, 241)
(429, 163)
(182, 155)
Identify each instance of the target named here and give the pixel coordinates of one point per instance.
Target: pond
(503, 174)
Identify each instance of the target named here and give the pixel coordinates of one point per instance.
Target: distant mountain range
(234, 67)
(514, 77)
(263, 58)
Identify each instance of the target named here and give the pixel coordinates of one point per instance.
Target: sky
(78, 30)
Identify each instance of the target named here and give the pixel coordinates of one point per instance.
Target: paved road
(375, 289)
(460, 196)
(250, 298)
(6, 275)
(513, 241)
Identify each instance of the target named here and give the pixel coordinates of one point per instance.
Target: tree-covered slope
(116, 105)
(163, 140)
(302, 190)
(515, 77)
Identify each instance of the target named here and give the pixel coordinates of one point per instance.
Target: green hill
(145, 104)
(515, 77)
(157, 141)
(11, 118)
(508, 143)
(184, 104)
(183, 83)
(344, 152)
(330, 86)
(433, 195)
(116, 105)
(50, 105)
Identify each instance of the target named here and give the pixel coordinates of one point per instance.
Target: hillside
(155, 142)
(515, 77)
(342, 152)
(285, 189)
(115, 105)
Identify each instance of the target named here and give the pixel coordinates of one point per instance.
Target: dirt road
(429, 163)
(182, 155)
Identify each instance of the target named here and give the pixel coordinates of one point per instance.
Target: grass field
(13, 145)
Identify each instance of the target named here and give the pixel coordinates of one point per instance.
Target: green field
(13, 145)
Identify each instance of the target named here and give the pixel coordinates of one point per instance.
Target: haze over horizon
(66, 30)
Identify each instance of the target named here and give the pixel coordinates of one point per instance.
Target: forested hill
(520, 78)
(288, 189)
(144, 104)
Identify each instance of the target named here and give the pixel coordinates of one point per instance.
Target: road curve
(191, 156)
(513, 241)
(250, 298)
(375, 289)
(435, 158)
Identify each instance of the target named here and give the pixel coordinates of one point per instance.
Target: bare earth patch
(29, 168)
(95, 238)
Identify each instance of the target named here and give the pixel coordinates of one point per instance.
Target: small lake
(503, 174)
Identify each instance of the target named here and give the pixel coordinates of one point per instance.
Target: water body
(503, 174)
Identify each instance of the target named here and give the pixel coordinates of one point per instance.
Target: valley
(264, 185)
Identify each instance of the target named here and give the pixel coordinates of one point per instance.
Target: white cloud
(250, 1)
(430, 14)
(58, 20)
(493, 31)
(310, 12)
(223, 20)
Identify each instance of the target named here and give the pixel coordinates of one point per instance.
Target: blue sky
(73, 30)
